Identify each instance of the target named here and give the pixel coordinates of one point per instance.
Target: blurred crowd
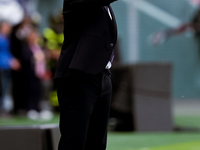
(28, 58)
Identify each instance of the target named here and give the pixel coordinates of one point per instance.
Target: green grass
(23, 120)
(180, 121)
(152, 141)
(187, 121)
(194, 145)
(182, 140)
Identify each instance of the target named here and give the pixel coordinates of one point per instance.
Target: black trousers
(84, 109)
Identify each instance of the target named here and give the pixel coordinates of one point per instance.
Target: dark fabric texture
(84, 109)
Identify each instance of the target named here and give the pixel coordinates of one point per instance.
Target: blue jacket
(5, 54)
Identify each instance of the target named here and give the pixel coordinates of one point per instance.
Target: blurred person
(35, 71)
(7, 62)
(27, 82)
(162, 36)
(82, 74)
(193, 26)
(19, 84)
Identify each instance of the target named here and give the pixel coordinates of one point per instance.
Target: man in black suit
(83, 76)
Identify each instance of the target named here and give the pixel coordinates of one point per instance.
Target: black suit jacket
(89, 36)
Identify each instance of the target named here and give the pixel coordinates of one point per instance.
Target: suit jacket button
(111, 45)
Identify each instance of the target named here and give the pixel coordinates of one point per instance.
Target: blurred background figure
(193, 26)
(35, 71)
(19, 78)
(27, 82)
(7, 62)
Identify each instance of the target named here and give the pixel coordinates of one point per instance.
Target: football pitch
(186, 138)
(154, 141)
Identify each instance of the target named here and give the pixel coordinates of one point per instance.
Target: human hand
(15, 64)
